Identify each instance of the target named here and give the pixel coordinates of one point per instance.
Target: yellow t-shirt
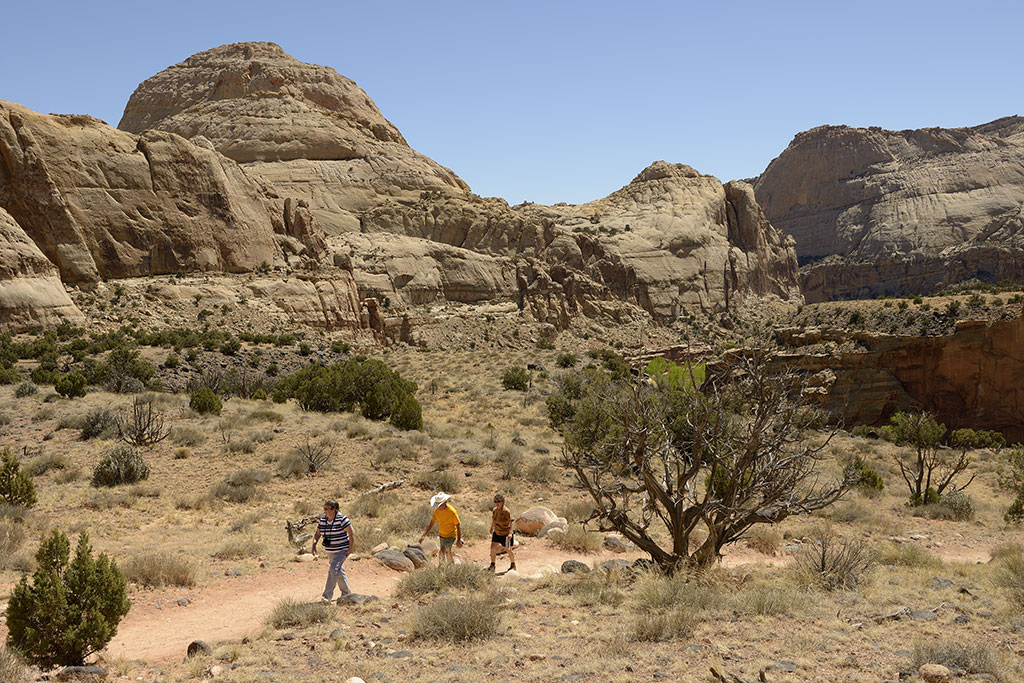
(447, 519)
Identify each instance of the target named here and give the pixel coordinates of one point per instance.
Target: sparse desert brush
(1006, 549)
(357, 429)
(587, 590)
(578, 510)
(291, 465)
(262, 436)
(106, 500)
(26, 388)
(12, 537)
(1009, 572)
(698, 591)
(243, 523)
(42, 464)
(439, 481)
(157, 569)
(457, 619)
(182, 453)
(956, 506)
(764, 539)
(516, 378)
(361, 481)
(541, 472)
(238, 549)
(265, 415)
(441, 578)
(294, 614)
(907, 555)
(510, 458)
(409, 519)
(767, 600)
(13, 669)
(97, 423)
(120, 465)
(205, 402)
(236, 446)
(660, 625)
(575, 539)
(186, 436)
(372, 504)
(972, 658)
(832, 563)
(67, 476)
(241, 486)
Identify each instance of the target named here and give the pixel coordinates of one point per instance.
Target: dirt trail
(158, 629)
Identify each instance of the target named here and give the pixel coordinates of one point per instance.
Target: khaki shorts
(446, 542)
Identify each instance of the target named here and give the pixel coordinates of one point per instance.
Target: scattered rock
(786, 665)
(378, 548)
(400, 654)
(355, 599)
(935, 673)
(395, 560)
(304, 557)
(183, 602)
(614, 565)
(923, 615)
(286, 636)
(418, 557)
(355, 679)
(961, 619)
(198, 647)
(559, 524)
(232, 572)
(79, 673)
(615, 544)
(218, 669)
(574, 567)
(939, 582)
(535, 519)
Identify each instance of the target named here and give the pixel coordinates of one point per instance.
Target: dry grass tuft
(457, 620)
(446, 577)
(295, 614)
(156, 570)
(764, 539)
(657, 626)
(13, 669)
(239, 549)
(973, 658)
(907, 555)
(575, 539)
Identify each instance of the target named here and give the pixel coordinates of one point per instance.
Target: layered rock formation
(882, 212)
(101, 202)
(414, 234)
(31, 294)
(971, 378)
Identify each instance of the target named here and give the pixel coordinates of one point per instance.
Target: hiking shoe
(491, 569)
(324, 601)
(512, 567)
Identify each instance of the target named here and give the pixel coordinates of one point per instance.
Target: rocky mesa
(878, 212)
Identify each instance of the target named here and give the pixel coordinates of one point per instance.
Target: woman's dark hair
(333, 504)
(498, 498)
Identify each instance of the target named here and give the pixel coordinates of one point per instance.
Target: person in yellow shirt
(449, 528)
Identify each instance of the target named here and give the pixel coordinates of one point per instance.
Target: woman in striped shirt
(336, 530)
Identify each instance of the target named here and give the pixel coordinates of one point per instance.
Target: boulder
(356, 599)
(429, 547)
(559, 524)
(935, 673)
(418, 557)
(614, 565)
(534, 519)
(198, 647)
(615, 544)
(379, 547)
(395, 560)
(81, 673)
(574, 567)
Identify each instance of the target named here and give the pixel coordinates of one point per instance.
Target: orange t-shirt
(502, 519)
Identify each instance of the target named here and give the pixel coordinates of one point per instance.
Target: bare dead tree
(726, 456)
(930, 470)
(315, 454)
(141, 425)
(834, 562)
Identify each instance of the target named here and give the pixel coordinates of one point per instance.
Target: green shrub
(121, 465)
(96, 423)
(259, 395)
(26, 388)
(406, 413)
(71, 609)
(567, 359)
(71, 385)
(864, 476)
(16, 487)
(205, 402)
(515, 378)
(358, 383)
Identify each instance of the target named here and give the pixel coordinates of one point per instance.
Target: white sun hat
(438, 499)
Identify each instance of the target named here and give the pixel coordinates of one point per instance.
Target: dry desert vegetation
(201, 540)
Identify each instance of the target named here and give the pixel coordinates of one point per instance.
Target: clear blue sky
(562, 101)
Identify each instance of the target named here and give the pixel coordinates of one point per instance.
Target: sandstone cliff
(31, 294)
(971, 378)
(882, 212)
(101, 202)
(412, 232)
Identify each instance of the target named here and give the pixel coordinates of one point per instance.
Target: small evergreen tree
(16, 487)
(71, 385)
(70, 610)
(516, 378)
(205, 402)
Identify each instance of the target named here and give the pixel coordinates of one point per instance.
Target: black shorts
(505, 541)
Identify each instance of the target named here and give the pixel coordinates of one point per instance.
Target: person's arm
(458, 533)
(429, 526)
(351, 538)
(492, 525)
(316, 537)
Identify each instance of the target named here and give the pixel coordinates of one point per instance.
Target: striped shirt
(334, 533)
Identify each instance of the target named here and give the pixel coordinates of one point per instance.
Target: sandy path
(230, 608)
(158, 629)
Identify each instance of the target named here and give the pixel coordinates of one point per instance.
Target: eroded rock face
(884, 212)
(307, 130)
(972, 378)
(101, 202)
(414, 235)
(31, 294)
